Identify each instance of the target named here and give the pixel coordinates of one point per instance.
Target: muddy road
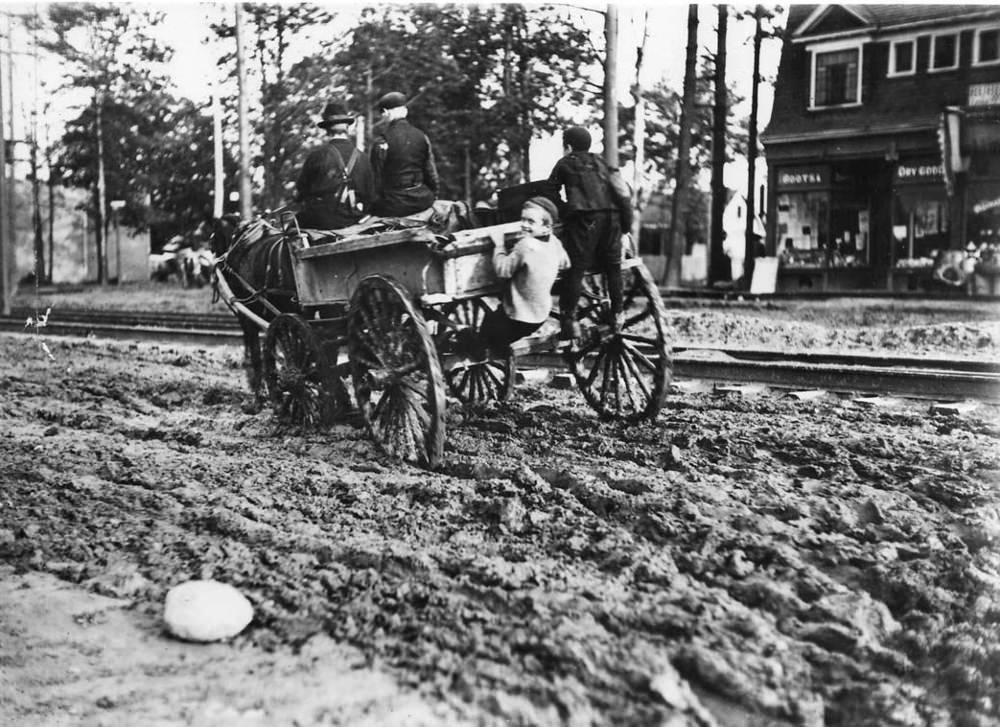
(741, 561)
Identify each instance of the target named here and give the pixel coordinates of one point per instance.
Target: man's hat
(546, 204)
(335, 112)
(392, 100)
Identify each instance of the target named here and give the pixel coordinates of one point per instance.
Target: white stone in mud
(206, 611)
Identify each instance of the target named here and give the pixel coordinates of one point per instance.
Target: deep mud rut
(755, 561)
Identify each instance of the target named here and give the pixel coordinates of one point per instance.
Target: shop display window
(812, 232)
(920, 229)
(802, 220)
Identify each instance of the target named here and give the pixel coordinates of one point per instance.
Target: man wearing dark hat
(335, 187)
(406, 178)
(595, 215)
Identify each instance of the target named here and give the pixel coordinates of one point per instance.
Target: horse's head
(223, 229)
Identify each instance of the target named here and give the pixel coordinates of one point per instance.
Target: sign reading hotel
(984, 94)
(803, 178)
(912, 172)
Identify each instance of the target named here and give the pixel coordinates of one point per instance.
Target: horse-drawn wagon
(395, 313)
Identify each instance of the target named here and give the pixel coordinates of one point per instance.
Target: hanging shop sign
(984, 197)
(984, 94)
(919, 172)
(812, 177)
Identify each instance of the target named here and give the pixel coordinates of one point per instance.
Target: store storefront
(921, 225)
(822, 233)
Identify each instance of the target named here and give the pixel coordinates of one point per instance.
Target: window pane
(904, 57)
(944, 51)
(989, 46)
(837, 78)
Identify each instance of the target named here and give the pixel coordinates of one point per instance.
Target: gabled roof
(814, 20)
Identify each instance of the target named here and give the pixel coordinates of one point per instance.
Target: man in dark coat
(406, 178)
(335, 187)
(595, 215)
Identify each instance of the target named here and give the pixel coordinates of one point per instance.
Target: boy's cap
(577, 138)
(546, 204)
(391, 100)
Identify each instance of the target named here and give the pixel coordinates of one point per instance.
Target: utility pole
(750, 252)
(718, 267)
(246, 200)
(218, 197)
(611, 86)
(6, 241)
(639, 137)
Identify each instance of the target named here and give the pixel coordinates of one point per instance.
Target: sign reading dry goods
(916, 172)
(984, 94)
(803, 177)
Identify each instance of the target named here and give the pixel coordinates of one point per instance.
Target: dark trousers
(500, 330)
(593, 241)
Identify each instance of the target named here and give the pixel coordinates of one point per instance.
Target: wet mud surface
(741, 561)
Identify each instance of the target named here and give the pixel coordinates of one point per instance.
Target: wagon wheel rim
(297, 375)
(491, 379)
(624, 376)
(398, 384)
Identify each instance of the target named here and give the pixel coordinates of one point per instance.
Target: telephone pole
(611, 86)
(6, 237)
(246, 200)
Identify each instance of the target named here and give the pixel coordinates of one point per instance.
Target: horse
(254, 260)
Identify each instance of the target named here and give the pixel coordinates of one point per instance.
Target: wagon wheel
(397, 376)
(298, 377)
(491, 379)
(623, 376)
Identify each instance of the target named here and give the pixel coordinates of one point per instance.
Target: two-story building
(883, 146)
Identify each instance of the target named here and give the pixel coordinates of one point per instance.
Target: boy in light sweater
(531, 266)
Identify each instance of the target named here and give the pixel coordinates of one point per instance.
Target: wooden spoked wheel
(624, 375)
(397, 376)
(298, 377)
(470, 380)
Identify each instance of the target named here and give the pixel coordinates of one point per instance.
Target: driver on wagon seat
(406, 178)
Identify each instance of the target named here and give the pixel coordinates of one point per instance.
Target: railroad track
(937, 378)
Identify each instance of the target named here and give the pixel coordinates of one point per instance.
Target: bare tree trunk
(246, 200)
(639, 138)
(52, 210)
(682, 177)
(611, 86)
(369, 111)
(718, 263)
(102, 258)
(36, 210)
(750, 251)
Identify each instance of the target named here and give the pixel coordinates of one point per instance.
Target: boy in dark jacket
(594, 218)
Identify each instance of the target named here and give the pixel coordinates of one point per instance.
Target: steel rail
(912, 377)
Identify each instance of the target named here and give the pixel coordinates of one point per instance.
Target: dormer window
(836, 78)
(986, 47)
(902, 57)
(944, 52)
